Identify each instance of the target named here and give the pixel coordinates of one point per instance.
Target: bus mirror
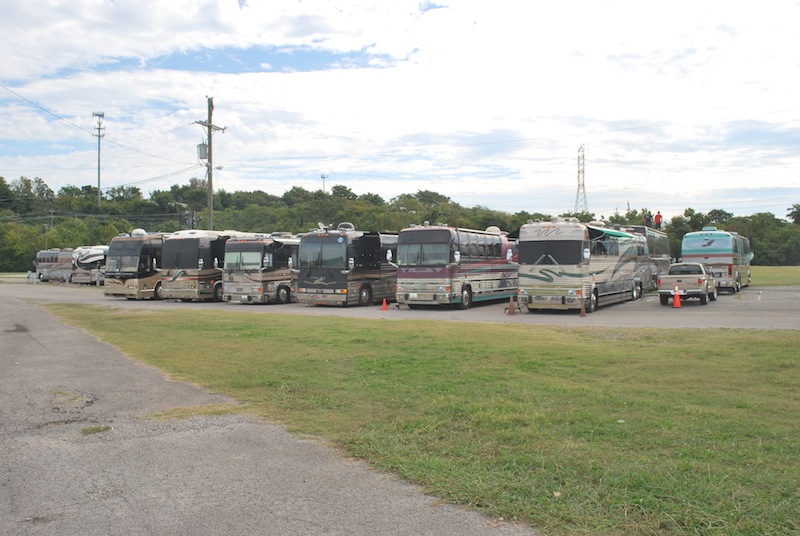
(586, 254)
(200, 264)
(216, 262)
(457, 256)
(267, 260)
(291, 263)
(389, 255)
(351, 263)
(509, 255)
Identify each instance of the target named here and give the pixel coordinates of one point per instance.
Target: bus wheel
(592, 307)
(713, 295)
(636, 292)
(217, 293)
(466, 298)
(283, 294)
(157, 292)
(365, 296)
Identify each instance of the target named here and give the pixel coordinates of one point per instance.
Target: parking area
(752, 308)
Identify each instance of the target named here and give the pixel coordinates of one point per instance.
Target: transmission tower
(581, 205)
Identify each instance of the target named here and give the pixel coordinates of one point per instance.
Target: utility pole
(100, 116)
(210, 128)
(581, 205)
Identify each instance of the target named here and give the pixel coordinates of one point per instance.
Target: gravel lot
(232, 474)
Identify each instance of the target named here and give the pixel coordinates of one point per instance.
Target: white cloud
(678, 104)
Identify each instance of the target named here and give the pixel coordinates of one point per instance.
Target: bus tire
(636, 292)
(713, 295)
(592, 305)
(284, 294)
(365, 295)
(466, 298)
(158, 294)
(217, 296)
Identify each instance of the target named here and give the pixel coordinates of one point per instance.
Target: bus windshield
(423, 254)
(243, 260)
(551, 252)
(323, 252)
(707, 242)
(182, 253)
(123, 257)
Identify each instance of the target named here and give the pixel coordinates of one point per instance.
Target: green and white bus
(726, 255)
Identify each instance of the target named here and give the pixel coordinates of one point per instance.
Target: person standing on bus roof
(648, 219)
(658, 220)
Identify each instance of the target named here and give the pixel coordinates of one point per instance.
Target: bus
(133, 266)
(258, 268)
(88, 265)
(344, 266)
(192, 264)
(654, 257)
(442, 265)
(726, 255)
(54, 264)
(565, 264)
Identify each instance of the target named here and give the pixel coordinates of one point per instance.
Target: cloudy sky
(677, 104)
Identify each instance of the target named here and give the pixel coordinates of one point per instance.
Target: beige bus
(566, 264)
(258, 268)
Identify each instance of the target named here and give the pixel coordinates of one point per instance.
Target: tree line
(33, 217)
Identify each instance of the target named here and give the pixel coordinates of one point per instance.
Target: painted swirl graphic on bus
(549, 275)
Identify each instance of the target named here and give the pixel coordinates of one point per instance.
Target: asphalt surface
(229, 475)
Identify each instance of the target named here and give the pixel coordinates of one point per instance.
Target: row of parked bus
(81, 265)
(558, 264)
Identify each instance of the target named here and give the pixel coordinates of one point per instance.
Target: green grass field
(573, 431)
(775, 276)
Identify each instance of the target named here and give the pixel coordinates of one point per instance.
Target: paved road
(227, 475)
(752, 308)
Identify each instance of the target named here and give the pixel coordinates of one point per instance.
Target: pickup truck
(691, 279)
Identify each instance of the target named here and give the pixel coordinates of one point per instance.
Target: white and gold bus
(258, 268)
(54, 264)
(88, 265)
(133, 266)
(192, 264)
(566, 264)
(442, 265)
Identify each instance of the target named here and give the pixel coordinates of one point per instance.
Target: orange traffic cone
(512, 308)
(676, 299)
(383, 307)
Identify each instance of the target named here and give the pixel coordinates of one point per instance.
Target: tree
(794, 213)
(718, 216)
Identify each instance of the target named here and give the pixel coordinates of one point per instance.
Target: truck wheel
(664, 299)
(704, 299)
